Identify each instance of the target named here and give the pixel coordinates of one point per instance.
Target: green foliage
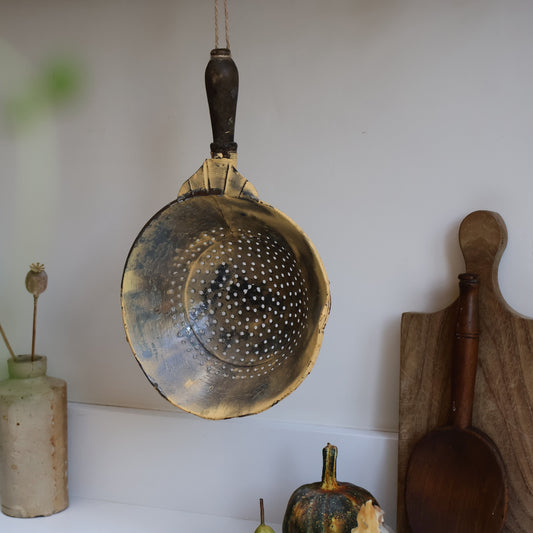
(56, 84)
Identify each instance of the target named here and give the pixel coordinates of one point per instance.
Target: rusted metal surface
(224, 298)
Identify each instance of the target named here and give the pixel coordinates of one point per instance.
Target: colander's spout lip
(218, 176)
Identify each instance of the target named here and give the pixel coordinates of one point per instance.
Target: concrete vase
(33, 440)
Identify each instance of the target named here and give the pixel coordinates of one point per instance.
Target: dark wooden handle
(465, 351)
(222, 87)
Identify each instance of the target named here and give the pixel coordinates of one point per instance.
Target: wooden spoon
(455, 479)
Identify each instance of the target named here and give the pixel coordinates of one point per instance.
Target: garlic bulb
(370, 520)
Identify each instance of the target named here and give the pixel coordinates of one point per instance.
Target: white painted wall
(169, 461)
(377, 125)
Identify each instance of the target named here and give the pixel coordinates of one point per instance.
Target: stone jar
(33, 440)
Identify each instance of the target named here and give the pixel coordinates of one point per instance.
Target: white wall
(169, 461)
(377, 125)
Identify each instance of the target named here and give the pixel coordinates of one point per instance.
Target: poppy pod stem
(329, 468)
(34, 328)
(36, 282)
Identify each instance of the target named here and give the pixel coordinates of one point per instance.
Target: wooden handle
(465, 351)
(483, 238)
(222, 87)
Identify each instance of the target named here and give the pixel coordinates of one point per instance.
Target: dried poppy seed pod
(36, 282)
(36, 279)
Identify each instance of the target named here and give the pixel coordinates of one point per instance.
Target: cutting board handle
(483, 238)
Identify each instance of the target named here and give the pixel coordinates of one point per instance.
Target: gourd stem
(262, 511)
(329, 468)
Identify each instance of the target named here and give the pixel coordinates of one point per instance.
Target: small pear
(262, 528)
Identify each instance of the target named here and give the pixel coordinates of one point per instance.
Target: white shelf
(90, 516)
(138, 471)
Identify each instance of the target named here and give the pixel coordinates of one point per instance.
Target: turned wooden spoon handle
(465, 351)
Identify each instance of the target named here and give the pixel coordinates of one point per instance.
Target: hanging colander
(224, 298)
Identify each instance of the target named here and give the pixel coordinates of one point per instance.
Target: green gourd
(262, 527)
(329, 506)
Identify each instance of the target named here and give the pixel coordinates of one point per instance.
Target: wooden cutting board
(503, 403)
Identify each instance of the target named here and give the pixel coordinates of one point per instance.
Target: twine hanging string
(226, 24)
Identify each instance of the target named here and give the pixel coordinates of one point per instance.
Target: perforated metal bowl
(224, 298)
